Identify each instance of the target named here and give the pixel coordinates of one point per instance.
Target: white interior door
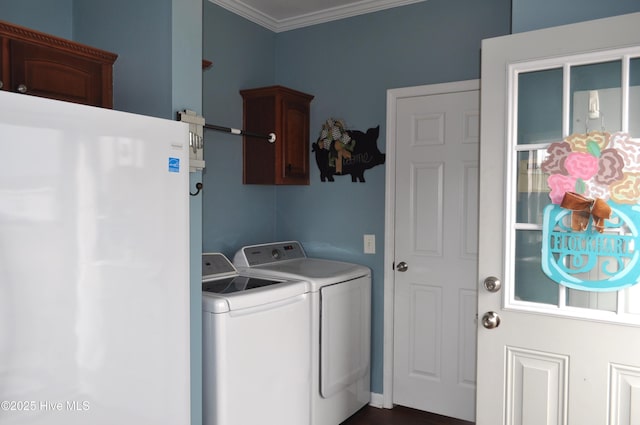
(559, 355)
(436, 181)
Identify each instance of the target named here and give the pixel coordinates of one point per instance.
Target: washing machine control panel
(256, 255)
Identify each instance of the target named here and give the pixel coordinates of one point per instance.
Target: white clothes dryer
(256, 347)
(340, 323)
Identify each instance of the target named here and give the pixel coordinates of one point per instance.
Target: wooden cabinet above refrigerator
(43, 65)
(285, 112)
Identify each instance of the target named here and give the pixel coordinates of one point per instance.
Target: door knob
(402, 266)
(491, 320)
(492, 284)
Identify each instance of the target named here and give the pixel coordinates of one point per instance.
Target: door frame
(393, 95)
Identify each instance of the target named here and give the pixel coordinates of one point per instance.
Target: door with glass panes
(559, 311)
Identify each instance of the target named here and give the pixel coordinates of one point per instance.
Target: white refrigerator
(94, 266)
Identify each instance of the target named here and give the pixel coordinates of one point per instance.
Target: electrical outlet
(369, 244)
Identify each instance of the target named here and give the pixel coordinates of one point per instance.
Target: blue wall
(243, 57)
(140, 33)
(535, 14)
(424, 43)
(348, 65)
(51, 17)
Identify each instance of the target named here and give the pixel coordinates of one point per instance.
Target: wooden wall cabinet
(43, 65)
(285, 112)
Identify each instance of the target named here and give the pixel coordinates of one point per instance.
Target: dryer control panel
(256, 255)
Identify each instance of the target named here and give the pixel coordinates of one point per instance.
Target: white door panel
(559, 355)
(436, 195)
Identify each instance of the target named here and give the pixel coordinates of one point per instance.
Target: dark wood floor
(399, 416)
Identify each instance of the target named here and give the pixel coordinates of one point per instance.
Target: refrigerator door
(94, 278)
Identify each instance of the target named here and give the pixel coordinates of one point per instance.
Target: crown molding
(332, 14)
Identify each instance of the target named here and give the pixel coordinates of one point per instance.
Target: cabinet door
(4, 64)
(45, 72)
(259, 156)
(294, 156)
(285, 112)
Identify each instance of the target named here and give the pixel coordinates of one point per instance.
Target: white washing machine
(256, 347)
(340, 324)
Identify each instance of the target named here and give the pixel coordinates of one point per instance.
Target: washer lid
(231, 284)
(224, 289)
(261, 298)
(215, 264)
(316, 271)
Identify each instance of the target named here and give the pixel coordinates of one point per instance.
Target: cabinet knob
(22, 88)
(1, 85)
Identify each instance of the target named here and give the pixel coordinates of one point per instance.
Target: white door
(559, 355)
(436, 193)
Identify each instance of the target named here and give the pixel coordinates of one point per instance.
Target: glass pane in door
(539, 122)
(597, 97)
(596, 105)
(634, 98)
(539, 106)
(532, 189)
(631, 296)
(607, 301)
(531, 284)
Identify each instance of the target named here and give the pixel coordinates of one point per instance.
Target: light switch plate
(369, 244)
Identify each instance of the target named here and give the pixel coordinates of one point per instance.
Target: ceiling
(284, 15)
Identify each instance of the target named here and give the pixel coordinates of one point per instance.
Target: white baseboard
(376, 400)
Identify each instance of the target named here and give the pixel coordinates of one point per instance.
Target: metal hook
(586, 123)
(198, 187)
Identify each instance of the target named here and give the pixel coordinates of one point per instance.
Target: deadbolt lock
(492, 284)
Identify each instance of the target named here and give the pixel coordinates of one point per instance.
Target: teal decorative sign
(591, 231)
(589, 260)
